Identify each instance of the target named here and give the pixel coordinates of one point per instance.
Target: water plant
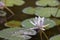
(47, 2)
(41, 10)
(17, 33)
(2, 6)
(13, 23)
(56, 37)
(11, 3)
(39, 23)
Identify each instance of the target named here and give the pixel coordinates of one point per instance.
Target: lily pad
(42, 11)
(25, 32)
(50, 22)
(15, 33)
(47, 2)
(45, 12)
(13, 2)
(13, 23)
(58, 14)
(41, 3)
(7, 33)
(27, 24)
(29, 10)
(56, 37)
(15, 38)
(57, 21)
(8, 3)
(53, 2)
(19, 2)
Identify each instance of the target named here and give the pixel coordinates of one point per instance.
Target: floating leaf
(13, 23)
(57, 21)
(13, 2)
(50, 22)
(25, 37)
(47, 2)
(54, 11)
(15, 33)
(58, 14)
(8, 3)
(29, 10)
(53, 2)
(25, 32)
(16, 38)
(45, 12)
(27, 24)
(19, 2)
(57, 37)
(7, 33)
(41, 3)
(42, 11)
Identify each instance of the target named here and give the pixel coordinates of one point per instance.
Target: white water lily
(2, 4)
(39, 23)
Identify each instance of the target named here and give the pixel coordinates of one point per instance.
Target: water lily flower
(2, 5)
(38, 22)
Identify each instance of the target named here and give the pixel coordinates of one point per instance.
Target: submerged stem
(40, 32)
(45, 35)
(10, 12)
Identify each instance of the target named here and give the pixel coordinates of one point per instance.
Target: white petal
(42, 19)
(39, 18)
(36, 18)
(32, 23)
(34, 28)
(46, 25)
(42, 29)
(38, 22)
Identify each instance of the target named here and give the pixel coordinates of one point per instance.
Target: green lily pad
(41, 3)
(15, 33)
(19, 2)
(27, 24)
(50, 22)
(54, 11)
(47, 2)
(25, 32)
(57, 21)
(7, 33)
(57, 37)
(8, 3)
(13, 23)
(53, 2)
(58, 14)
(45, 12)
(42, 11)
(29, 10)
(14, 38)
(13, 2)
